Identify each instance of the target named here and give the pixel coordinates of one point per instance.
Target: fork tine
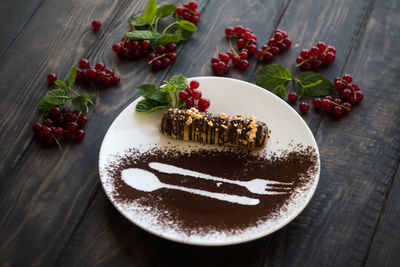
(277, 183)
(275, 193)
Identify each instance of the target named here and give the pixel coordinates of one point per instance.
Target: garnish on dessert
(209, 128)
(175, 93)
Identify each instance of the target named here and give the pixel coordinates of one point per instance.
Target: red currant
(84, 63)
(194, 84)
(292, 97)
(304, 107)
(317, 103)
(51, 78)
(96, 24)
(79, 135)
(203, 104)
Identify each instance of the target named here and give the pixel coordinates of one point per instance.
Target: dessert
(208, 128)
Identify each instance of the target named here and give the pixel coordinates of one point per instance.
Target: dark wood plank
(360, 155)
(385, 249)
(14, 16)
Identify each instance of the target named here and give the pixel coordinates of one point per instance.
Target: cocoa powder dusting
(195, 214)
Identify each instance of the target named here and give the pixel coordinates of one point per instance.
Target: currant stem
(231, 47)
(160, 56)
(305, 61)
(57, 142)
(169, 26)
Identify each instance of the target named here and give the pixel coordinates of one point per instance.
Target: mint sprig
(276, 77)
(59, 96)
(148, 24)
(161, 97)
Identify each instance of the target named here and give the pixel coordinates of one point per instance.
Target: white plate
(141, 131)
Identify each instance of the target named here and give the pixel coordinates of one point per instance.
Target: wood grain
(14, 16)
(385, 249)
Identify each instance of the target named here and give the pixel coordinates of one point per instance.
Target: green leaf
(44, 106)
(137, 21)
(56, 97)
(71, 77)
(314, 84)
(183, 35)
(280, 90)
(151, 91)
(165, 10)
(147, 90)
(61, 84)
(187, 26)
(150, 11)
(273, 75)
(81, 102)
(176, 83)
(141, 35)
(149, 105)
(180, 81)
(168, 38)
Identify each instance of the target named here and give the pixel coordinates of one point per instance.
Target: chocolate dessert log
(208, 128)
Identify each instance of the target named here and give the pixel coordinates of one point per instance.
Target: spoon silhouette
(147, 181)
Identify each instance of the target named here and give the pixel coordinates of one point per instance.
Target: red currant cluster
(163, 57)
(316, 57)
(192, 97)
(350, 95)
(276, 45)
(349, 92)
(220, 64)
(335, 106)
(246, 44)
(60, 124)
(189, 12)
(131, 49)
(98, 73)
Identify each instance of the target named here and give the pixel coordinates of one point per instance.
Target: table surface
(53, 208)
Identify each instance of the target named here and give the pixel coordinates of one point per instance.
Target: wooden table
(53, 208)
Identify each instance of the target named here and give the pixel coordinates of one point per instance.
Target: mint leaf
(71, 77)
(81, 102)
(183, 35)
(153, 92)
(147, 90)
(314, 84)
(150, 11)
(187, 26)
(168, 38)
(142, 35)
(273, 75)
(56, 97)
(165, 10)
(179, 81)
(61, 84)
(137, 21)
(44, 106)
(280, 90)
(176, 83)
(149, 105)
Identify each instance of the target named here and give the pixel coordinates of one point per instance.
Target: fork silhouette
(257, 186)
